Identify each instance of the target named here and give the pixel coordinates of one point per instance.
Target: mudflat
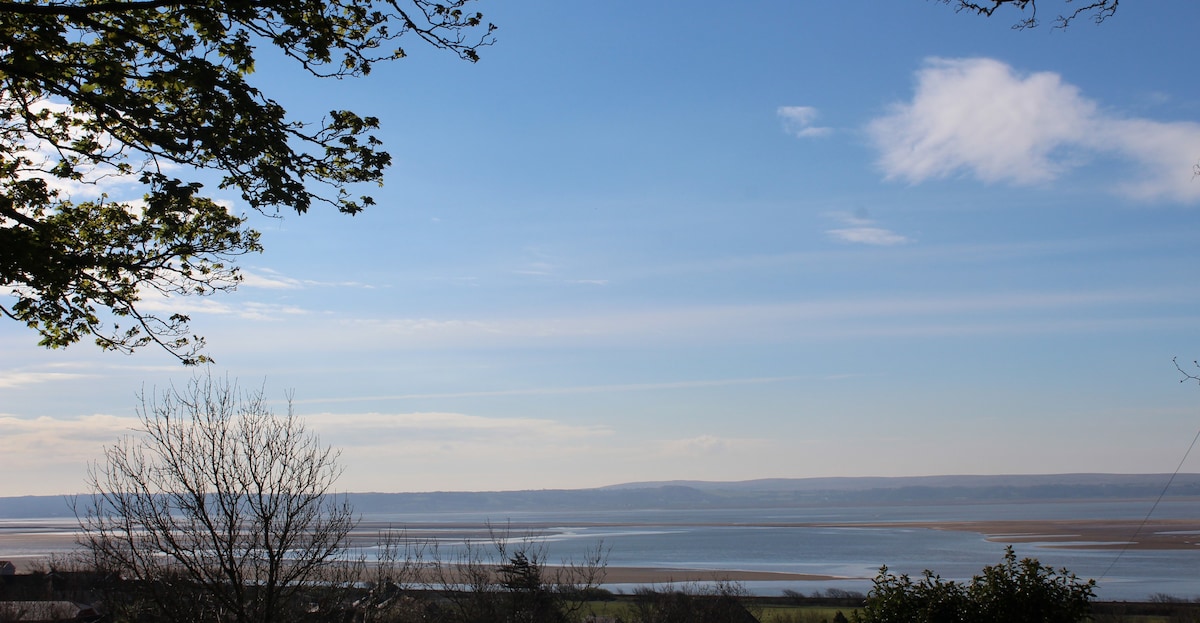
(1149, 534)
(1155, 534)
(655, 575)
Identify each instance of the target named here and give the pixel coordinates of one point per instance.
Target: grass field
(801, 614)
(623, 609)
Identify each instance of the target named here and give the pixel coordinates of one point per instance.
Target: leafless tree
(217, 509)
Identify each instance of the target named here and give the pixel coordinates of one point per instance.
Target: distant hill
(1156, 481)
(765, 493)
(40, 506)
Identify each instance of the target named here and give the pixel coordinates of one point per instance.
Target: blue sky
(643, 242)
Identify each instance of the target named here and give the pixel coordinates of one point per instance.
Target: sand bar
(652, 575)
(1156, 534)
(1072, 533)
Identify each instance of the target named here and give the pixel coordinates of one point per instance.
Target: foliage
(155, 92)
(218, 510)
(1012, 590)
(899, 599)
(528, 597)
(1098, 10)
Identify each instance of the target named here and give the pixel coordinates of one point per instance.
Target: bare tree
(217, 509)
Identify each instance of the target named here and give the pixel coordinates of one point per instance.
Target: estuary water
(726, 539)
(736, 539)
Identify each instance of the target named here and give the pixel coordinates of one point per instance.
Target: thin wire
(1146, 520)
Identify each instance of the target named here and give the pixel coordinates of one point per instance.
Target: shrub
(1013, 590)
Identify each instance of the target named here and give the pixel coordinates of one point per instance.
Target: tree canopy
(156, 92)
(1097, 10)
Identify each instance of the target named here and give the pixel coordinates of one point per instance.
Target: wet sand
(1072, 533)
(650, 575)
(1158, 534)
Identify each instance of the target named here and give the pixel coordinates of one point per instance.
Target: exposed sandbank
(1068, 533)
(1073, 534)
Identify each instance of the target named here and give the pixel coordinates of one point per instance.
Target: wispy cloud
(711, 445)
(537, 269)
(382, 448)
(94, 180)
(576, 389)
(982, 117)
(273, 280)
(875, 236)
(44, 440)
(702, 444)
(377, 428)
(798, 121)
(859, 229)
(157, 302)
(16, 378)
(902, 315)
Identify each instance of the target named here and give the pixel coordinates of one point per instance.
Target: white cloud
(982, 117)
(568, 390)
(12, 378)
(269, 280)
(455, 425)
(95, 180)
(272, 280)
(1166, 152)
(41, 441)
(798, 121)
(709, 445)
(157, 302)
(702, 444)
(876, 236)
(862, 230)
(380, 449)
(536, 269)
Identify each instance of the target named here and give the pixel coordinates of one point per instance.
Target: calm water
(691, 539)
(660, 538)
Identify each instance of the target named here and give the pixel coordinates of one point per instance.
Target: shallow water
(711, 539)
(695, 539)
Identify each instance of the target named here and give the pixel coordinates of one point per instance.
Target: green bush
(1013, 591)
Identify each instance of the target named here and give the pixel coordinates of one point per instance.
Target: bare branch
(218, 503)
(1099, 10)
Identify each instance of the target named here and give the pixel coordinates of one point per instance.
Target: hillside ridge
(759, 493)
